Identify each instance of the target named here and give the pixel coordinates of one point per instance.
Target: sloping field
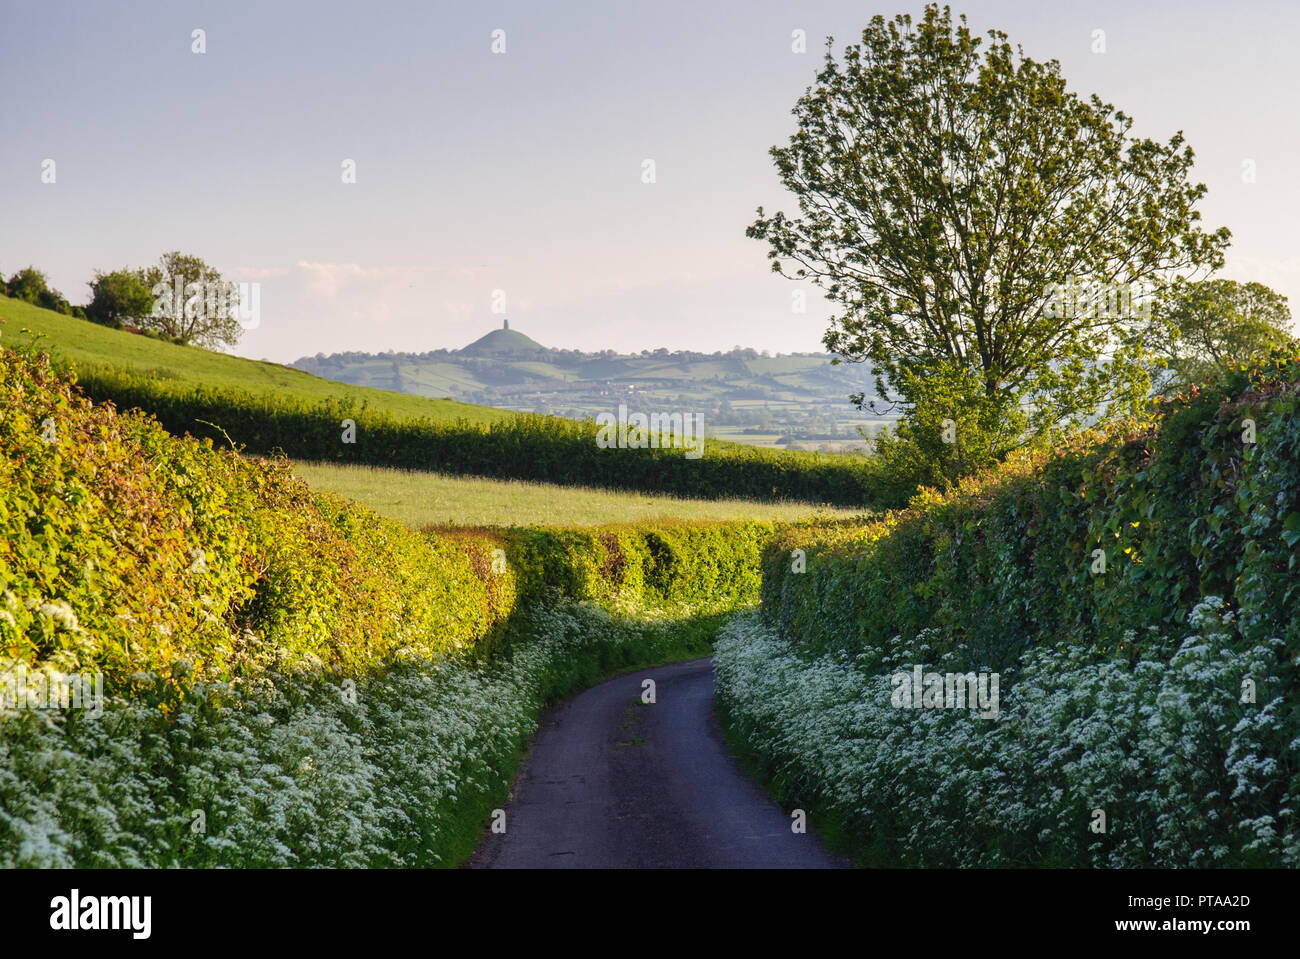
(73, 341)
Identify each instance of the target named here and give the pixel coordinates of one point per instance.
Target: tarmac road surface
(611, 782)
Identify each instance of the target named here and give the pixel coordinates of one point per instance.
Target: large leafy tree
(948, 190)
(1202, 327)
(192, 303)
(120, 297)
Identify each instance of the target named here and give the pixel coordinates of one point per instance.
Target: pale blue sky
(522, 171)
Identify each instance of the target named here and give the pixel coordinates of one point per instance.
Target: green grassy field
(430, 499)
(75, 342)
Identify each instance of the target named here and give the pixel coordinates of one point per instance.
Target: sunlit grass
(75, 342)
(432, 499)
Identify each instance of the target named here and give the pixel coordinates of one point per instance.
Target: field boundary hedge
(1139, 594)
(127, 550)
(526, 446)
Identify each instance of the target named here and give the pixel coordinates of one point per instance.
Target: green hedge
(126, 550)
(1160, 690)
(708, 565)
(1182, 507)
(530, 447)
(291, 679)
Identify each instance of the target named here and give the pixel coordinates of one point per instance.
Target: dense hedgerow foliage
(230, 609)
(1191, 747)
(1184, 508)
(126, 550)
(703, 565)
(1186, 774)
(527, 446)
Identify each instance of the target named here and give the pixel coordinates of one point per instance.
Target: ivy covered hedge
(1139, 594)
(1204, 501)
(126, 550)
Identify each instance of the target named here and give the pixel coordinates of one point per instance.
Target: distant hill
(796, 400)
(502, 342)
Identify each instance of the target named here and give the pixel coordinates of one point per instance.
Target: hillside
(265, 408)
(73, 341)
(799, 401)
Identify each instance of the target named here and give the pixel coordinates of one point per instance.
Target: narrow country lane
(611, 782)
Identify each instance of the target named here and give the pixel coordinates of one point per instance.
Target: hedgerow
(699, 564)
(172, 556)
(526, 446)
(1075, 576)
(312, 683)
(1204, 500)
(176, 557)
(401, 770)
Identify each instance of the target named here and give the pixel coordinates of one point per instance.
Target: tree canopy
(192, 303)
(120, 297)
(31, 286)
(1214, 323)
(948, 191)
